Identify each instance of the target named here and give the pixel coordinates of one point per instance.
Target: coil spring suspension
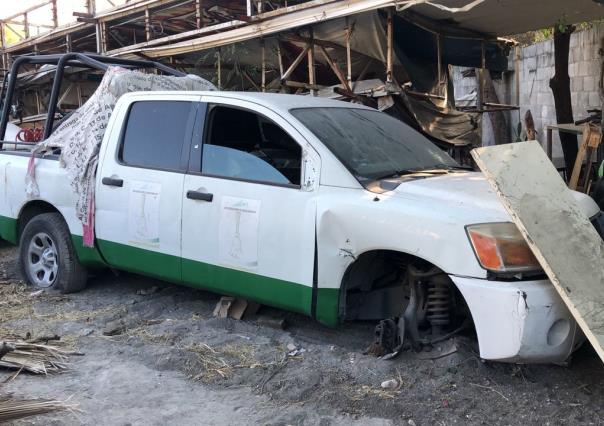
(438, 303)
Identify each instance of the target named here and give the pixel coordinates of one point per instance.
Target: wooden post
(91, 7)
(25, 25)
(198, 9)
(334, 67)
(99, 46)
(147, 24)
(439, 59)
(481, 78)
(311, 65)
(389, 47)
(517, 74)
(263, 44)
(55, 14)
(103, 37)
(296, 62)
(68, 47)
(348, 55)
(219, 56)
(280, 57)
(2, 35)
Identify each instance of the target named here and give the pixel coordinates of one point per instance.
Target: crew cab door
(140, 182)
(249, 206)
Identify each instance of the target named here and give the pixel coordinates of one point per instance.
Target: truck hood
(469, 195)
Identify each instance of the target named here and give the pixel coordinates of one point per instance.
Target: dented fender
(521, 321)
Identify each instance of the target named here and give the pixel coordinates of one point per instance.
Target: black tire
(47, 238)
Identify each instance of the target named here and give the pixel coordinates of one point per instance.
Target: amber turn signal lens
(500, 247)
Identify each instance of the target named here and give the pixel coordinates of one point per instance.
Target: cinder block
(589, 83)
(544, 73)
(594, 100)
(576, 84)
(575, 55)
(572, 69)
(589, 52)
(582, 99)
(530, 51)
(583, 69)
(530, 63)
(595, 66)
(545, 99)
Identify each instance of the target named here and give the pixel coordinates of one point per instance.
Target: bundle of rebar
(33, 357)
(12, 409)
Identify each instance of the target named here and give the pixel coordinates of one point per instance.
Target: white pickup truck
(322, 207)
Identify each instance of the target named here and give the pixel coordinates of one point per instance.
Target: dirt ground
(170, 362)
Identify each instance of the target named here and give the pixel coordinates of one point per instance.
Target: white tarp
(79, 137)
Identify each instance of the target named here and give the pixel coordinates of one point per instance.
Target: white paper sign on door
(238, 232)
(143, 213)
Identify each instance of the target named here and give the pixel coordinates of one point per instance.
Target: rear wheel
(47, 255)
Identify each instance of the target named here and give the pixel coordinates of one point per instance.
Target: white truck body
(290, 246)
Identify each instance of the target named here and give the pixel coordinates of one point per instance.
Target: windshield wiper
(435, 169)
(396, 174)
(443, 166)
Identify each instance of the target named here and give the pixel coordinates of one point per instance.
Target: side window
(245, 145)
(155, 134)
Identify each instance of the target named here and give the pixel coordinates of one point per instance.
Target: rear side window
(155, 134)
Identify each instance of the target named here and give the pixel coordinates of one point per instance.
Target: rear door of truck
(140, 183)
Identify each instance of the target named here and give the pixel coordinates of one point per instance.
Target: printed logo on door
(238, 232)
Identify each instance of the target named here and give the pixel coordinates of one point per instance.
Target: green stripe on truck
(269, 291)
(9, 229)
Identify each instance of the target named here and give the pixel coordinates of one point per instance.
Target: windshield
(371, 144)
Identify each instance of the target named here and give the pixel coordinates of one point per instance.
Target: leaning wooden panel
(560, 235)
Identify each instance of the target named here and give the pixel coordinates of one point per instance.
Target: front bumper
(524, 321)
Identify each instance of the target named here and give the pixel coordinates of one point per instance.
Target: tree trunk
(560, 85)
(501, 131)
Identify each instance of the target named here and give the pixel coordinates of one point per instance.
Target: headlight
(500, 247)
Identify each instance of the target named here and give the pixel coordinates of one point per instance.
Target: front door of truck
(248, 222)
(139, 186)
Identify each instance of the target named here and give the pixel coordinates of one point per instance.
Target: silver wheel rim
(42, 260)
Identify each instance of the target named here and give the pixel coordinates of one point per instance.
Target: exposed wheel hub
(42, 260)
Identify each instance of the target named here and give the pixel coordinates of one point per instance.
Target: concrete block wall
(536, 67)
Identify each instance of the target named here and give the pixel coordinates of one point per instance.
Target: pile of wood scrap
(33, 357)
(14, 408)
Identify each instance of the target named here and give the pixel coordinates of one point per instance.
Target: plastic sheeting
(80, 135)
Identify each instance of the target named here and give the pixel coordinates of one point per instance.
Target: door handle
(200, 196)
(113, 182)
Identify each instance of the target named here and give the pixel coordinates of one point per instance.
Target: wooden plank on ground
(560, 235)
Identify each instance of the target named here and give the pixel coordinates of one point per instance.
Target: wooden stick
(263, 46)
(334, 67)
(295, 64)
(389, 47)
